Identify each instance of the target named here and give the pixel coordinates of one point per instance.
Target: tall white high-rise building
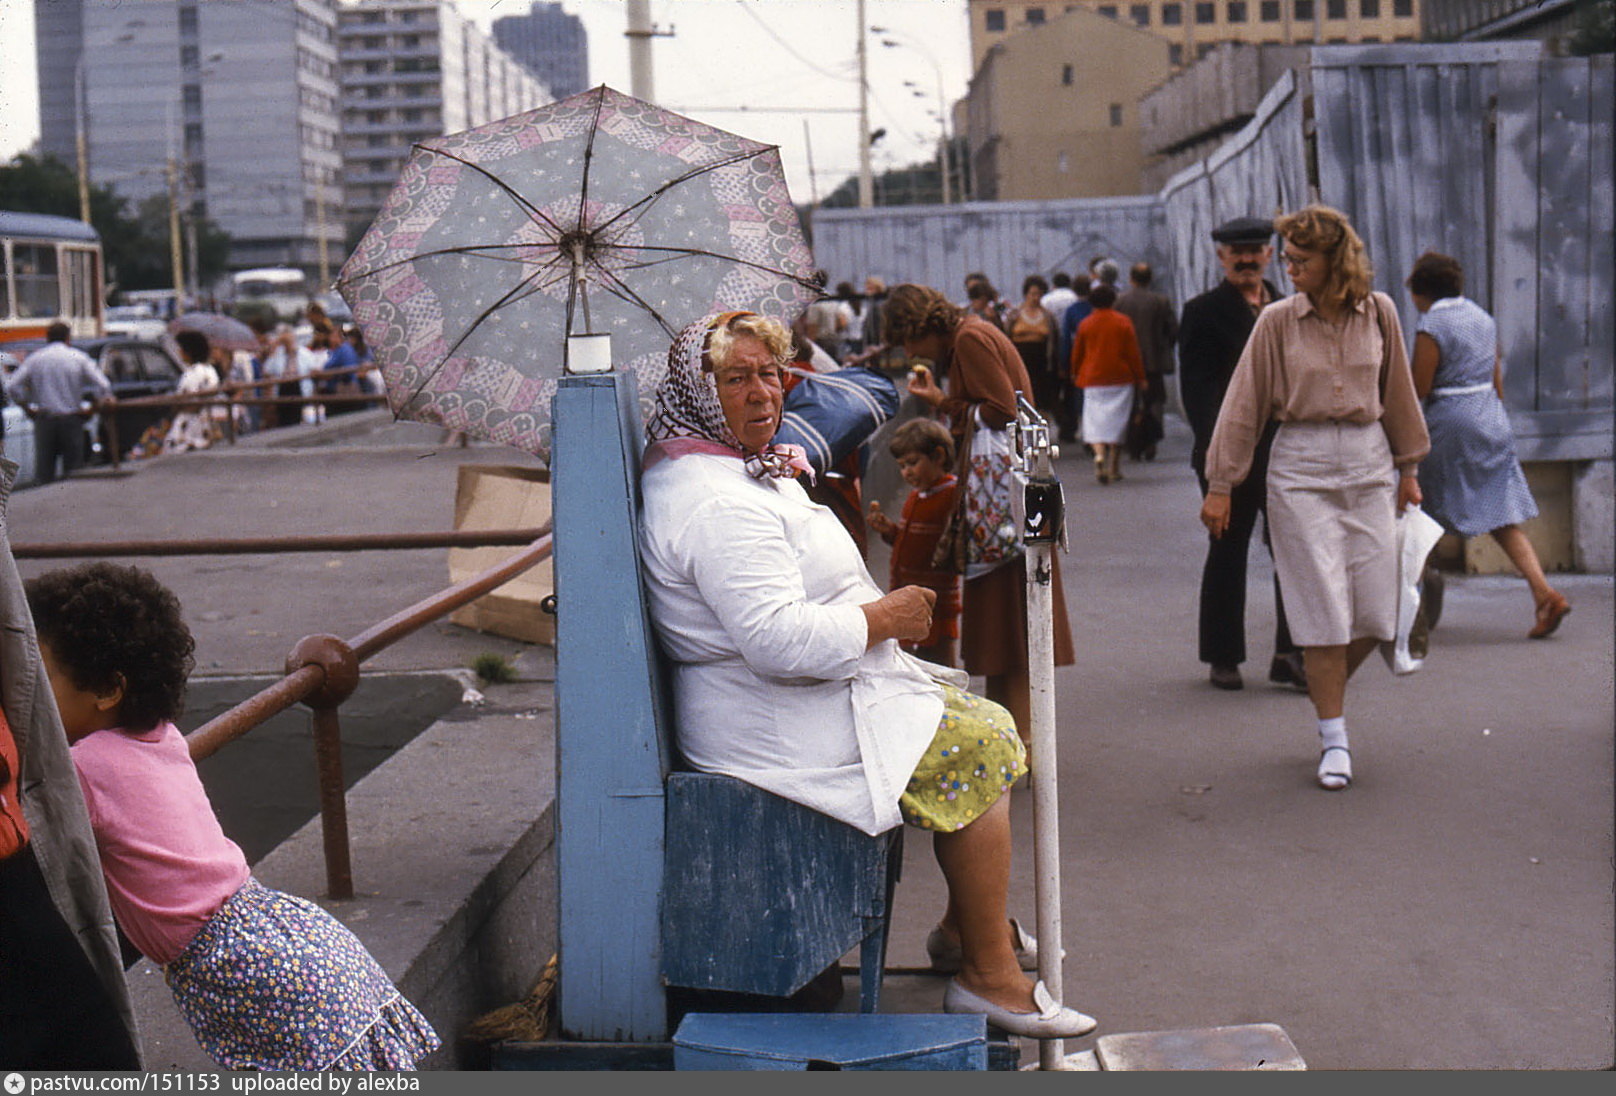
(230, 107)
(411, 70)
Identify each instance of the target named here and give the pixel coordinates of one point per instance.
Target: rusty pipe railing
(249, 546)
(323, 671)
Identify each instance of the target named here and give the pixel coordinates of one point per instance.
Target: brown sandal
(1550, 612)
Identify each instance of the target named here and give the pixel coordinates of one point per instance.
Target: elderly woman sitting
(788, 671)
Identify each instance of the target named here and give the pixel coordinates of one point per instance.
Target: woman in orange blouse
(1107, 366)
(1328, 364)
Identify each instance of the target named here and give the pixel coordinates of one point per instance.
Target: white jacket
(755, 592)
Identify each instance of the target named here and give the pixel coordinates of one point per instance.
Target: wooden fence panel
(1564, 184)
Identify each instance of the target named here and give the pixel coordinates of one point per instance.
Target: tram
(50, 269)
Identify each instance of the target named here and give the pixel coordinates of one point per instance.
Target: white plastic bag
(1417, 534)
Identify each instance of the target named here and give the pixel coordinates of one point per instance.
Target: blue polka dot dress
(1472, 480)
(274, 982)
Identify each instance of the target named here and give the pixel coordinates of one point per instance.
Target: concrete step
(1237, 1047)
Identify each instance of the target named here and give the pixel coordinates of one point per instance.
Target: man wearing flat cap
(1212, 333)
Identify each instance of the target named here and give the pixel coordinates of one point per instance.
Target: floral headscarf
(688, 417)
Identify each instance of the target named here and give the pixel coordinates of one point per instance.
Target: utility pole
(324, 250)
(79, 140)
(866, 183)
(639, 34)
(174, 251)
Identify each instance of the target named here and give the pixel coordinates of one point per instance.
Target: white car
(135, 321)
(19, 443)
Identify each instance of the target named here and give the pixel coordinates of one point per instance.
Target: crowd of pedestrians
(61, 388)
(1307, 411)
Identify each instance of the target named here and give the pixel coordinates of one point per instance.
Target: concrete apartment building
(412, 70)
(551, 43)
(1192, 27)
(1111, 70)
(240, 96)
(1052, 112)
(1479, 20)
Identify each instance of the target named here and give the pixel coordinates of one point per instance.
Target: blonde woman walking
(1328, 364)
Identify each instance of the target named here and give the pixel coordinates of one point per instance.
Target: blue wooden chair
(670, 878)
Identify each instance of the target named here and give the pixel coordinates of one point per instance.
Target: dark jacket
(1211, 335)
(59, 824)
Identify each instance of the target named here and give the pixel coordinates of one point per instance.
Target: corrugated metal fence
(1501, 158)
(939, 245)
(1489, 152)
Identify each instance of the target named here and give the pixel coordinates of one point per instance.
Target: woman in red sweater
(1106, 364)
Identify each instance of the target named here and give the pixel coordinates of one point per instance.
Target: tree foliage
(134, 244)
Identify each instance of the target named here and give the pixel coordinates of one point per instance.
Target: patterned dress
(1472, 480)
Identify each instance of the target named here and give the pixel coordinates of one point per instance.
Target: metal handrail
(323, 671)
(249, 546)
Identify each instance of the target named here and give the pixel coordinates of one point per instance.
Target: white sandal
(1334, 776)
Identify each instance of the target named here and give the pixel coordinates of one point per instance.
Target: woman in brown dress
(984, 373)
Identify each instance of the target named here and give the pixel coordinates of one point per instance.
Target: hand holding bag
(1417, 534)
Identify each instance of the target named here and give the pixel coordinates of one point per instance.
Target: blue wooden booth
(680, 892)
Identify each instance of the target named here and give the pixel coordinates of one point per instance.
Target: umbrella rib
(677, 251)
(476, 251)
(532, 209)
(471, 330)
(645, 203)
(617, 288)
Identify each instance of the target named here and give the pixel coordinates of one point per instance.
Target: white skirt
(1106, 410)
(1332, 516)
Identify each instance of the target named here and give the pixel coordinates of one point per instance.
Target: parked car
(135, 321)
(136, 367)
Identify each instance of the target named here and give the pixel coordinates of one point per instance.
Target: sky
(793, 63)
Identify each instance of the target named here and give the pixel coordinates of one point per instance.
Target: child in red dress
(925, 453)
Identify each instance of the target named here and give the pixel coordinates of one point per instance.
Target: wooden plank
(1338, 155)
(1564, 368)
(1601, 231)
(1401, 235)
(1515, 232)
(611, 726)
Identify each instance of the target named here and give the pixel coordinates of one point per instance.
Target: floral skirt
(973, 759)
(274, 982)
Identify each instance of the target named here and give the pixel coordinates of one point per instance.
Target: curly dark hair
(916, 310)
(1436, 276)
(107, 626)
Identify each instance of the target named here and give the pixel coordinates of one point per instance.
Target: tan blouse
(1297, 367)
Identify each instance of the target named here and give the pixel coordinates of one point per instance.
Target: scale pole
(1042, 525)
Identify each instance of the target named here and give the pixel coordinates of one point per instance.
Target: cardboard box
(503, 497)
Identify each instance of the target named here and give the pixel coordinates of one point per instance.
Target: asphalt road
(1452, 909)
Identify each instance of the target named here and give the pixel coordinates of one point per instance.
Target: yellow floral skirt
(973, 759)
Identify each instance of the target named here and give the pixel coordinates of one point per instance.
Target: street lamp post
(944, 155)
(80, 150)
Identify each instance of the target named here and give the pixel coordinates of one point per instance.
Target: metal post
(1043, 521)
(333, 803)
(866, 183)
(340, 666)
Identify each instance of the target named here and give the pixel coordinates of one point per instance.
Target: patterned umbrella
(597, 214)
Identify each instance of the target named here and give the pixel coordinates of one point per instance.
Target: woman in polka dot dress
(788, 671)
(266, 980)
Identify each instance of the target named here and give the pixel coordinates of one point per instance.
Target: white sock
(1333, 732)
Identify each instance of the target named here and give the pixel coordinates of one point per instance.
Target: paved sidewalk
(1453, 909)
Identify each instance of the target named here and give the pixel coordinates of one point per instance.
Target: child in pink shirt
(266, 980)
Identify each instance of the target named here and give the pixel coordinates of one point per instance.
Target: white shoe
(1052, 1020)
(1335, 772)
(946, 955)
